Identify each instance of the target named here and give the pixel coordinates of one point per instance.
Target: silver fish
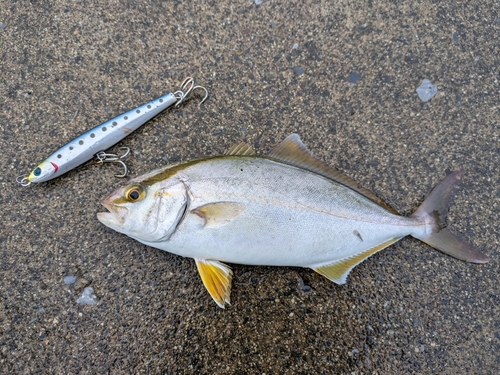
(284, 209)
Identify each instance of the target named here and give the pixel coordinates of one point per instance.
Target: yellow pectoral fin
(220, 213)
(338, 270)
(216, 277)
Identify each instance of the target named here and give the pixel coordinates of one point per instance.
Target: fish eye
(37, 171)
(135, 193)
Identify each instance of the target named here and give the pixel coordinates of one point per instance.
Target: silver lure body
(84, 147)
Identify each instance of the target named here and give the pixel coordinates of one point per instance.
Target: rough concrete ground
(271, 69)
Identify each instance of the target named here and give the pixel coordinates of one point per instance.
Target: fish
(287, 208)
(96, 140)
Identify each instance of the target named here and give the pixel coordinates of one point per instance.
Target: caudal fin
(434, 210)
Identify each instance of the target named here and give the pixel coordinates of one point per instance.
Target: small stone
(426, 90)
(298, 70)
(354, 77)
(304, 288)
(88, 297)
(68, 280)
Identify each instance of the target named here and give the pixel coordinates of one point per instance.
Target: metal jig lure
(102, 137)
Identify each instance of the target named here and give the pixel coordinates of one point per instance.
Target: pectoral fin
(216, 277)
(220, 213)
(338, 270)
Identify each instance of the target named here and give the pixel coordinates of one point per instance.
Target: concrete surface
(349, 90)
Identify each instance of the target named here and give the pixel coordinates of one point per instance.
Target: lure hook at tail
(187, 87)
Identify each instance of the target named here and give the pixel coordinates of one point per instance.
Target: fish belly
(280, 238)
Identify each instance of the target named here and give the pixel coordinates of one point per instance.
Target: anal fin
(338, 270)
(216, 277)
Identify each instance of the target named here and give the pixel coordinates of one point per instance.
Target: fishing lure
(102, 137)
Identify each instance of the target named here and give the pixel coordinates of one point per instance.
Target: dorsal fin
(292, 151)
(242, 149)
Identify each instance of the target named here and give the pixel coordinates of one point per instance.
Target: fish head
(42, 172)
(146, 212)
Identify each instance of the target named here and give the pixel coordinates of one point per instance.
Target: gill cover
(153, 213)
(174, 205)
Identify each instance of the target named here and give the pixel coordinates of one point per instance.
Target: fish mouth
(108, 219)
(113, 218)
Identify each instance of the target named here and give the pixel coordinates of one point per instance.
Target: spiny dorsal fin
(219, 213)
(241, 149)
(338, 270)
(216, 277)
(292, 151)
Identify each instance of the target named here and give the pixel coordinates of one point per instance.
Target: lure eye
(38, 171)
(135, 193)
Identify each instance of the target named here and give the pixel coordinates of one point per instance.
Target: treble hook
(187, 87)
(23, 180)
(206, 93)
(102, 158)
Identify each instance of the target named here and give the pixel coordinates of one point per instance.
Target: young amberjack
(284, 209)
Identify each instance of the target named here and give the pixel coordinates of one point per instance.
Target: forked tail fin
(434, 210)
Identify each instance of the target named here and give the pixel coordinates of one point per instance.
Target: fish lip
(107, 205)
(107, 218)
(112, 218)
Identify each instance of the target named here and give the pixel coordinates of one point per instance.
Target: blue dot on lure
(95, 141)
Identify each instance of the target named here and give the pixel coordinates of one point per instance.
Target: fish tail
(433, 212)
